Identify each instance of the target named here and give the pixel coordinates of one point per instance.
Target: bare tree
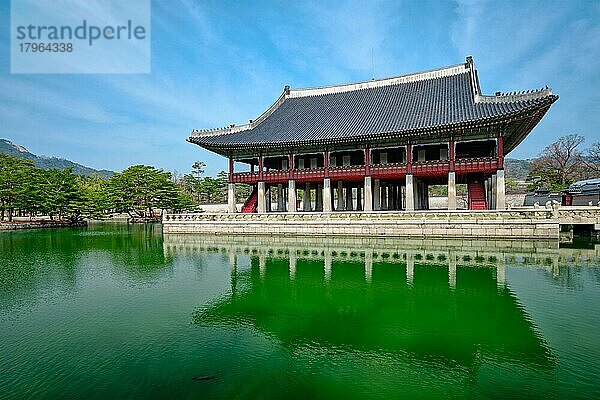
(560, 163)
(593, 158)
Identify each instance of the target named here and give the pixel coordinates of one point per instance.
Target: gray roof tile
(386, 107)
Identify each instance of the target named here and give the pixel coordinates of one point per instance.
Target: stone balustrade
(541, 222)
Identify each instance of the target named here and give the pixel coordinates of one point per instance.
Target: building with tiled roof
(379, 144)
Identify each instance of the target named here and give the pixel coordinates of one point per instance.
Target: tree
(60, 193)
(203, 189)
(14, 174)
(593, 158)
(140, 190)
(198, 169)
(560, 163)
(512, 186)
(94, 201)
(223, 179)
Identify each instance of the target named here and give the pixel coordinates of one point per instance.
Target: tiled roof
(382, 109)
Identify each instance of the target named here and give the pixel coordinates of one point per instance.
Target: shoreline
(13, 226)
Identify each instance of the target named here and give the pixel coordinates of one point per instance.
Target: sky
(214, 63)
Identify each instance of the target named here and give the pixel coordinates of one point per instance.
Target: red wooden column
(500, 153)
(326, 161)
(409, 159)
(367, 160)
(291, 165)
(230, 169)
(260, 167)
(451, 154)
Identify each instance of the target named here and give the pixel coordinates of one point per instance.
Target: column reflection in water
(430, 305)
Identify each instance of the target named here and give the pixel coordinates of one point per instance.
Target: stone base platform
(536, 223)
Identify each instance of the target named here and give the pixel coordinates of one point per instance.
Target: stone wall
(542, 223)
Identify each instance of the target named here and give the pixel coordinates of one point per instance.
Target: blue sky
(220, 62)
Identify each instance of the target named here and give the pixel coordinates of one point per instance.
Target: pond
(118, 311)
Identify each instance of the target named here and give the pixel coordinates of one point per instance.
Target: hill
(11, 149)
(517, 169)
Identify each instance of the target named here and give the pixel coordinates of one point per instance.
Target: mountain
(517, 169)
(11, 149)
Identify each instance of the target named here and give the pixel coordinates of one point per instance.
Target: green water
(121, 312)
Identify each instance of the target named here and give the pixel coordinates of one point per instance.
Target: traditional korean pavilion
(378, 145)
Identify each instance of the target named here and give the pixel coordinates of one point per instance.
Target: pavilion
(379, 144)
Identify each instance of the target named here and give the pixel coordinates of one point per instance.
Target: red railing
(479, 164)
(380, 171)
(389, 171)
(348, 172)
(276, 176)
(309, 174)
(431, 168)
(244, 177)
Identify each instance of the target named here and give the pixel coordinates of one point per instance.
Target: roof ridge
(523, 95)
(395, 80)
(455, 69)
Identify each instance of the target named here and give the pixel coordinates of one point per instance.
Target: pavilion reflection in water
(443, 304)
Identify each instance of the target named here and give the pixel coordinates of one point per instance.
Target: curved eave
(523, 120)
(526, 125)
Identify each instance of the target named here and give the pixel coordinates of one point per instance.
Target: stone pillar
(451, 190)
(280, 197)
(268, 193)
(291, 196)
(376, 195)
(494, 191)
(262, 201)
(368, 194)
(319, 198)
(410, 193)
(349, 205)
(425, 197)
(417, 193)
(500, 190)
(306, 197)
(340, 196)
(383, 196)
(231, 207)
(327, 195)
